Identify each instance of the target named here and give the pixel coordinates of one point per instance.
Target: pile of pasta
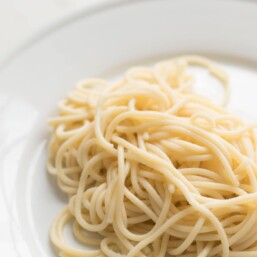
(153, 169)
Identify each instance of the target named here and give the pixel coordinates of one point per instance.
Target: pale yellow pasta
(153, 169)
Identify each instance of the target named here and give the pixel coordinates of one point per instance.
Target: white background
(21, 18)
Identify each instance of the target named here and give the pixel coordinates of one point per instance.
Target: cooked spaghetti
(153, 169)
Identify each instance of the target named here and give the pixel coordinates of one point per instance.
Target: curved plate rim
(70, 17)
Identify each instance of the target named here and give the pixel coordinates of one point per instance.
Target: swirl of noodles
(153, 169)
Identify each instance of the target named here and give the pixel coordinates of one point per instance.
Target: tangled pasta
(153, 169)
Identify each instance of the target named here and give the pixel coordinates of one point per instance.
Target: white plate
(103, 42)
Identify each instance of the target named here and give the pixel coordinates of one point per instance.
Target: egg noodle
(153, 169)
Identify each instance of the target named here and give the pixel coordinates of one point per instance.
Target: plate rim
(70, 17)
